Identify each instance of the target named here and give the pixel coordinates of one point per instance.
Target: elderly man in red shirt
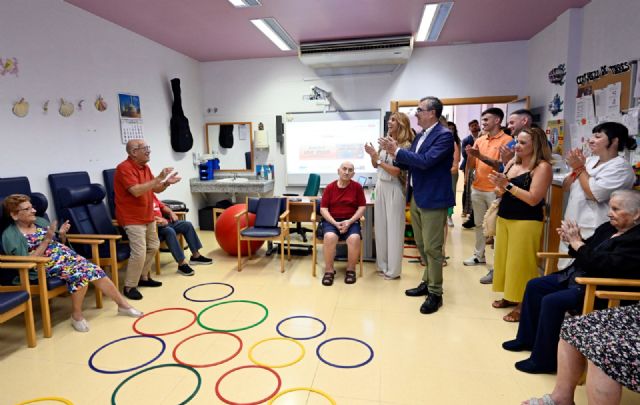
(343, 203)
(134, 186)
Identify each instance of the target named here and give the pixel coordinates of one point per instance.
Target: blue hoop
(184, 294)
(344, 338)
(324, 327)
(97, 370)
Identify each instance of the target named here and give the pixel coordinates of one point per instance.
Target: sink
(236, 180)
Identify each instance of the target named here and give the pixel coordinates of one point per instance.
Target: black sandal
(350, 278)
(327, 279)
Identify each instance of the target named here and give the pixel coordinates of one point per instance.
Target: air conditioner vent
(356, 45)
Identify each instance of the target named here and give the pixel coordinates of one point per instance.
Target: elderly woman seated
(612, 251)
(610, 341)
(31, 235)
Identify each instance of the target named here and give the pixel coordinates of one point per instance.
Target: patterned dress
(611, 340)
(74, 269)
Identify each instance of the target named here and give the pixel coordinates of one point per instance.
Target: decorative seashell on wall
(45, 107)
(66, 108)
(21, 108)
(80, 104)
(100, 104)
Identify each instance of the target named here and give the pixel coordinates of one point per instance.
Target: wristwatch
(509, 186)
(378, 162)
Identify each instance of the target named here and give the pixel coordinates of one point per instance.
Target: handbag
(490, 218)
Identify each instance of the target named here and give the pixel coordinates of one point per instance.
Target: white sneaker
(450, 222)
(488, 279)
(474, 261)
(132, 312)
(81, 326)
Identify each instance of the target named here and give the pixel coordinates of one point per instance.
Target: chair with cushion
(81, 203)
(312, 189)
(41, 285)
(316, 219)
(271, 224)
(13, 303)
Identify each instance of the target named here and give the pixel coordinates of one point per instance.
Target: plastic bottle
(373, 193)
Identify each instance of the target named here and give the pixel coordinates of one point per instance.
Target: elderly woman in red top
(343, 203)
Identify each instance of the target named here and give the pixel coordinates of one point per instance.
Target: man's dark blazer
(430, 169)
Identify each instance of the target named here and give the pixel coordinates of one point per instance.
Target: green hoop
(189, 398)
(266, 313)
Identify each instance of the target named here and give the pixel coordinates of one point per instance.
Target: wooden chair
(48, 288)
(271, 224)
(591, 283)
(17, 302)
(316, 218)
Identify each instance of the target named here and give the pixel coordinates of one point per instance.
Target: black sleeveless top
(513, 208)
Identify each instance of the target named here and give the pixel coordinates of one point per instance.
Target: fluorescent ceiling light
(245, 3)
(274, 31)
(433, 19)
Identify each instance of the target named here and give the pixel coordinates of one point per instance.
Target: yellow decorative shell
(66, 108)
(21, 108)
(100, 104)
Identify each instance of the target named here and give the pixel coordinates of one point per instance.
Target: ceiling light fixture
(433, 19)
(245, 3)
(274, 31)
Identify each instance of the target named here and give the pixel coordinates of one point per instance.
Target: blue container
(204, 171)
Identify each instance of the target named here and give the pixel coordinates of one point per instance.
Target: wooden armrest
(553, 255)
(313, 217)
(86, 241)
(114, 222)
(618, 295)
(181, 214)
(284, 215)
(18, 259)
(94, 236)
(23, 265)
(239, 214)
(616, 282)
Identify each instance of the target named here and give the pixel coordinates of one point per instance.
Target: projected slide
(319, 143)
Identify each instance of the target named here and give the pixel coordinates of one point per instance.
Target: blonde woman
(524, 184)
(390, 201)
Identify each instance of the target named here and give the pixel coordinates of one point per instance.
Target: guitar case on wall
(181, 138)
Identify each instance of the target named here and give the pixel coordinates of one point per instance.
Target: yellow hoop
(322, 393)
(57, 399)
(277, 365)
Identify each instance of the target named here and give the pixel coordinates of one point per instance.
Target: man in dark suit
(430, 194)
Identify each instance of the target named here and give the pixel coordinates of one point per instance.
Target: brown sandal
(503, 304)
(327, 279)
(513, 316)
(350, 277)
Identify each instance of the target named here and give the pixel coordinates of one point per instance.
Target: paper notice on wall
(585, 110)
(630, 120)
(636, 90)
(579, 137)
(613, 98)
(600, 106)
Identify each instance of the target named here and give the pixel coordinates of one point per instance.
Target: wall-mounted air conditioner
(366, 52)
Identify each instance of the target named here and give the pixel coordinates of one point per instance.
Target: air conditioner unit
(389, 51)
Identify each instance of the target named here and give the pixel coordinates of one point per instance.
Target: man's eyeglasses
(419, 110)
(146, 148)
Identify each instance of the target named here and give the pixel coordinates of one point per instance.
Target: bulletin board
(607, 75)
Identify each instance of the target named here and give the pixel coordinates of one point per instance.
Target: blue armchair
(14, 303)
(81, 202)
(46, 287)
(272, 223)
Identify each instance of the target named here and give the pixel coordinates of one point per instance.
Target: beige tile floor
(451, 357)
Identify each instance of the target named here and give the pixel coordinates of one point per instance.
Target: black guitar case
(181, 138)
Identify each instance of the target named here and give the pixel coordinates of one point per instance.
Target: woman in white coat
(390, 200)
(593, 179)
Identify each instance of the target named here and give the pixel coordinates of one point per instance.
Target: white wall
(64, 51)
(259, 89)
